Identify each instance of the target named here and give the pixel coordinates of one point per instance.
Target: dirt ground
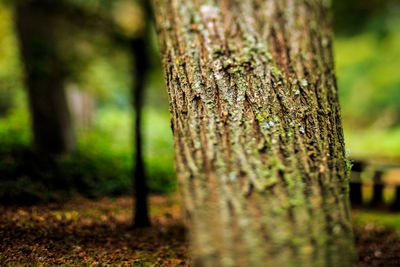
(85, 232)
(89, 233)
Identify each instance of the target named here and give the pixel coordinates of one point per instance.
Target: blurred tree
(141, 217)
(48, 67)
(131, 19)
(132, 31)
(258, 136)
(39, 34)
(9, 64)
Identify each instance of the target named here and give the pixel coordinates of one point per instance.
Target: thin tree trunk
(258, 135)
(52, 126)
(141, 213)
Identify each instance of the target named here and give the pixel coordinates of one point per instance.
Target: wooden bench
(378, 176)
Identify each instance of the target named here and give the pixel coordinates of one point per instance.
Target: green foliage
(355, 15)
(368, 59)
(368, 80)
(10, 73)
(109, 79)
(102, 165)
(377, 219)
(374, 142)
(104, 161)
(159, 151)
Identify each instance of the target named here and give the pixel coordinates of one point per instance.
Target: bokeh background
(99, 81)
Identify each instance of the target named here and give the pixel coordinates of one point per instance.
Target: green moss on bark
(260, 150)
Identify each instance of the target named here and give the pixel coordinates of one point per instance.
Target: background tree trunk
(36, 28)
(258, 135)
(141, 217)
(140, 62)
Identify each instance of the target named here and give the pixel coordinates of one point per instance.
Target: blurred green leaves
(368, 62)
(368, 75)
(103, 162)
(10, 67)
(102, 165)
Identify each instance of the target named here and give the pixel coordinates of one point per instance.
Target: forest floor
(86, 232)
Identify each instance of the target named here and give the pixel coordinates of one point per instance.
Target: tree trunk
(52, 126)
(257, 129)
(141, 217)
(140, 62)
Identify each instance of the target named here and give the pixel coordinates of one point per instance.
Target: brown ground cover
(85, 232)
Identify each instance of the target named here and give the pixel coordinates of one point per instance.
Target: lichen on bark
(257, 130)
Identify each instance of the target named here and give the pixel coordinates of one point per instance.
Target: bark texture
(45, 74)
(258, 135)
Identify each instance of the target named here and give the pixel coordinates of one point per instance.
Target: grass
(377, 219)
(373, 143)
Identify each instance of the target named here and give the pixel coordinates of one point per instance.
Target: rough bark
(257, 129)
(51, 122)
